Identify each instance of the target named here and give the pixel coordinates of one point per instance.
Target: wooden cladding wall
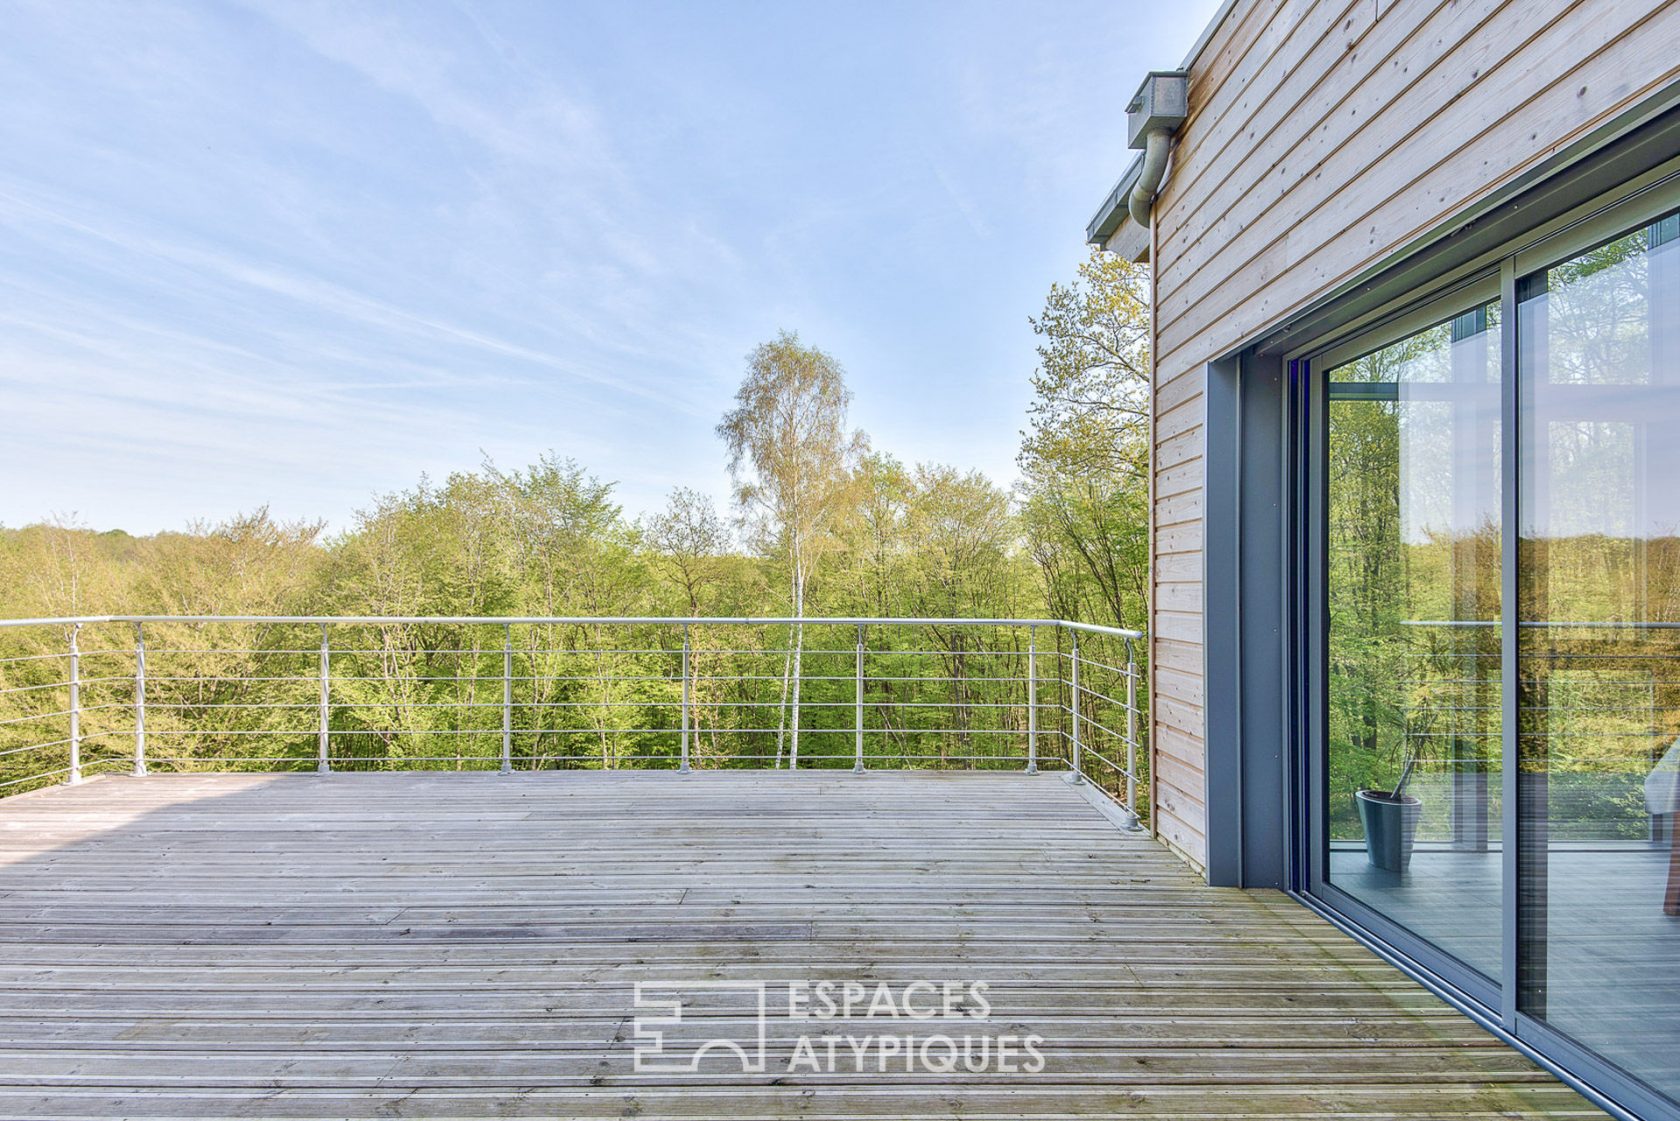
(1323, 137)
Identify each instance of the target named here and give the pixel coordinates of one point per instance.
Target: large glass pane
(1413, 586)
(1599, 644)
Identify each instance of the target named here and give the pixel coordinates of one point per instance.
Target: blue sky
(296, 254)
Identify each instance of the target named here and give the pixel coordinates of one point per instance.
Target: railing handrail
(586, 620)
(1548, 624)
(1084, 705)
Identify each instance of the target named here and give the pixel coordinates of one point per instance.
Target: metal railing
(138, 693)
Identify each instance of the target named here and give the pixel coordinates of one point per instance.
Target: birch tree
(794, 462)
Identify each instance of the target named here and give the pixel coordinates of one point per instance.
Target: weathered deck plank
(466, 945)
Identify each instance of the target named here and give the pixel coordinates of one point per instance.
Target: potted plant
(1390, 820)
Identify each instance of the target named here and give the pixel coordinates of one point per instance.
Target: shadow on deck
(452, 945)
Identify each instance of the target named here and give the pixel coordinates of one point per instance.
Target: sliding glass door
(1493, 628)
(1412, 582)
(1599, 648)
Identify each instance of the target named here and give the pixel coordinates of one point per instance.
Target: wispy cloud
(301, 252)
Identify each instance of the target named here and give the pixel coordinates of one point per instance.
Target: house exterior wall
(1324, 137)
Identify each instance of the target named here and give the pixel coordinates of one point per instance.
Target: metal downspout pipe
(1157, 146)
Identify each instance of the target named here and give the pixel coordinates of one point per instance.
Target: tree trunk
(798, 658)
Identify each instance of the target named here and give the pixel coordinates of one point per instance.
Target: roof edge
(1112, 214)
(1208, 33)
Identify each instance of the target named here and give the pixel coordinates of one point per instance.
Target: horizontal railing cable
(179, 692)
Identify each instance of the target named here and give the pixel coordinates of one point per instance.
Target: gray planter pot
(1389, 828)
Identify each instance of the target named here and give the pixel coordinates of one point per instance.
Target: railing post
(857, 711)
(1075, 776)
(323, 762)
(604, 664)
(1131, 821)
(685, 769)
(75, 774)
(507, 698)
(139, 701)
(1032, 700)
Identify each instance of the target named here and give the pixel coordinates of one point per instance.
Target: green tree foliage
(1085, 455)
(1090, 409)
(690, 547)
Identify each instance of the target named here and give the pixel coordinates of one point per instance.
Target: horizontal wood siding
(1323, 137)
(1176, 619)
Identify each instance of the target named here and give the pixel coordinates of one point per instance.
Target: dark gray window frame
(1263, 560)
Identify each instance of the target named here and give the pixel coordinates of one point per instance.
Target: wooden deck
(467, 945)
